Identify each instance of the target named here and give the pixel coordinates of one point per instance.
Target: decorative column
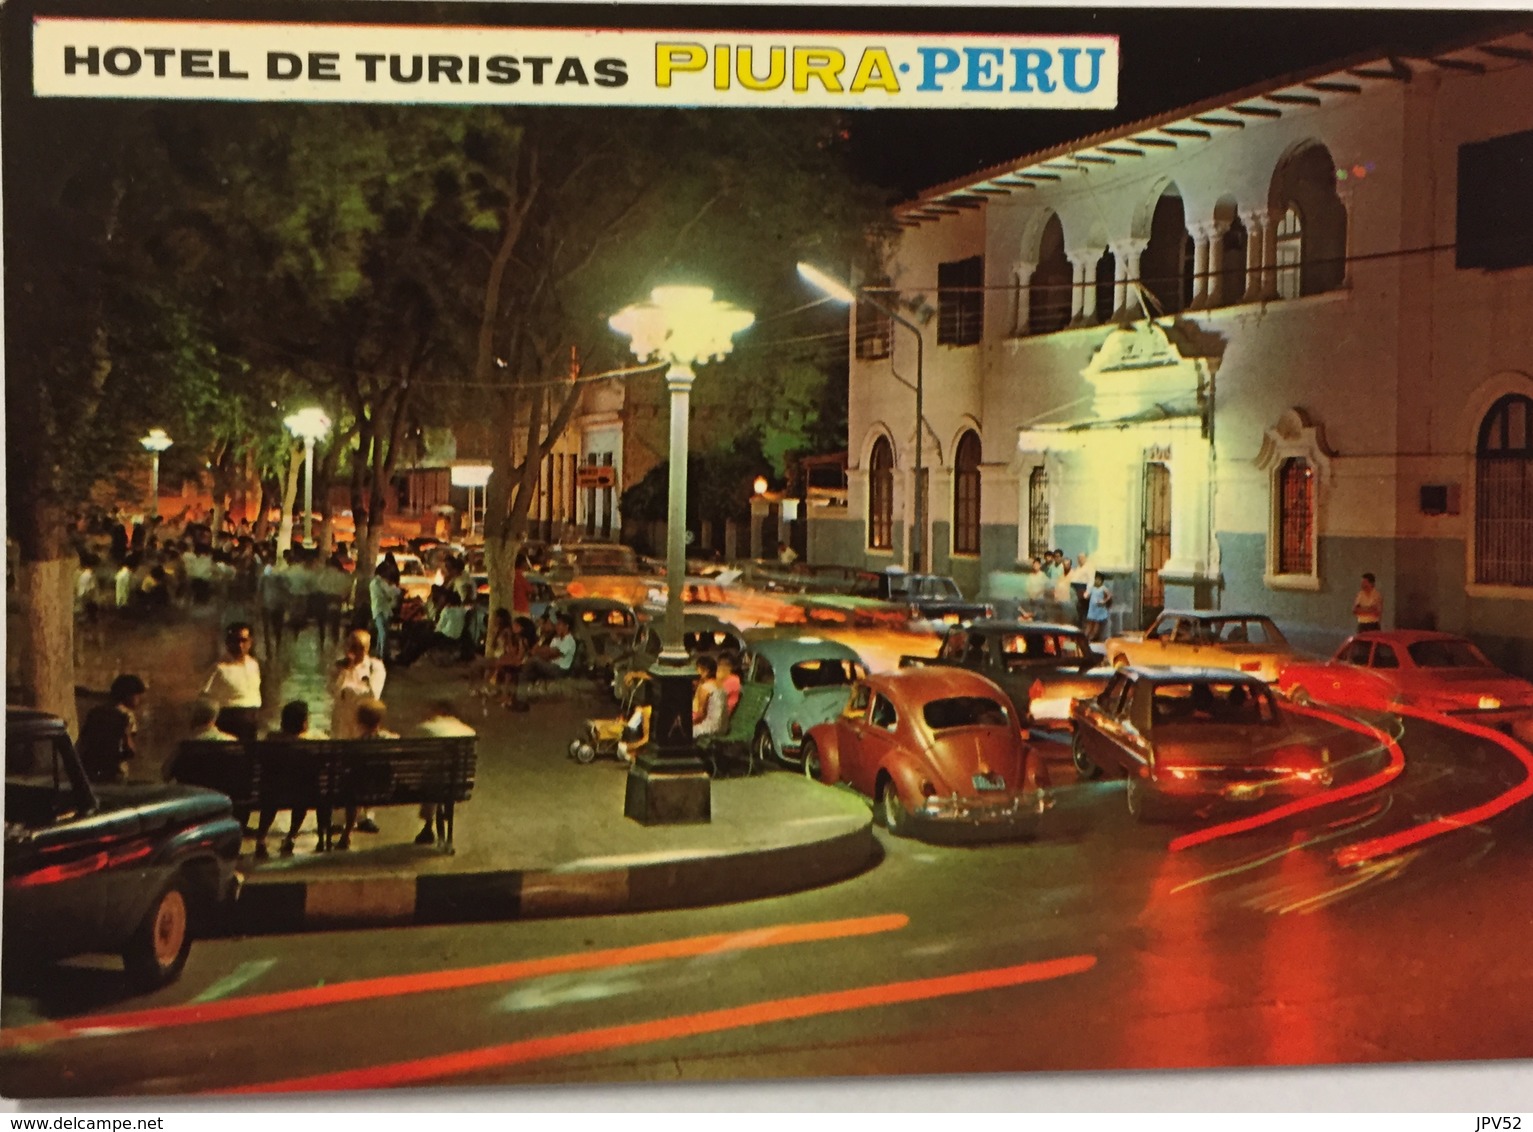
(1256, 254)
(1125, 301)
(1089, 290)
(1078, 263)
(1023, 308)
(1200, 291)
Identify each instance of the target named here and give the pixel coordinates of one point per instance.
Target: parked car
(702, 634)
(808, 681)
(135, 869)
(1433, 671)
(935, 748)
(1246, 642)
(1041, 667)
(931, 597)
(603, 630)
(1193, 736)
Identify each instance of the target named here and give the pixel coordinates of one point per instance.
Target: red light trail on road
(159, 1018)
(668, 1029)
(1393, 842)
(1288, 809)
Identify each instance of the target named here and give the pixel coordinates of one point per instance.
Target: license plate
(1243, 793)
(989, 782)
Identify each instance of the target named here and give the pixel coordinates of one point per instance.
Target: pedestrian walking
(235, 684)
(383, 595)
(1368, 607)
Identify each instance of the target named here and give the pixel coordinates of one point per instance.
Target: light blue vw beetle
(805, 681)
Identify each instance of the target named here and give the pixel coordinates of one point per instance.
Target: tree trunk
(289, 495)
(45, 577)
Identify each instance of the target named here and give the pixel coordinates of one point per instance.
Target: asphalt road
(1101, 945)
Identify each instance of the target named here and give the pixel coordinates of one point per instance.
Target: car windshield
(703, 640)
(1447, 654)
(964, 711)
(1213, 701)
(1244, 631)
(1022, 650)
(941, 589)
(605, 560)
(807, 674)
(620, 618)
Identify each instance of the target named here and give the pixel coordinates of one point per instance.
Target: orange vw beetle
(936, 749)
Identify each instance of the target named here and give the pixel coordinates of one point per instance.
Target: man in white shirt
(357, 678)
(1368, 607)
(556, 659)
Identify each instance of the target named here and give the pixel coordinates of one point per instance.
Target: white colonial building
(1240, 354)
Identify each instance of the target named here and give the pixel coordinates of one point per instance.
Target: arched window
(1049, 307)
(881, 496)
(1290, 253)
(1295, 518)
(1232, 269)
(1503, 513)
(966, 495)
(1106, 283)
(1167, 265)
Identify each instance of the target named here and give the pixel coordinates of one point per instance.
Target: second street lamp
(308, 425)
(683, 326)
(155, 442)
(841, 292)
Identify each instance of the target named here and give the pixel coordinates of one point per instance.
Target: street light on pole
(475, 477)
(308, 425)
(155, 442)
(683, 326)
(842, 293)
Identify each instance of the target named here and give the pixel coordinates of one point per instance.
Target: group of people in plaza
(1054, 587)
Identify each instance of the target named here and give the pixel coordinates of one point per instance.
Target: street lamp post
(475, 477)
(308, 425)
(683, 326)
(840, 291)
(155, 442)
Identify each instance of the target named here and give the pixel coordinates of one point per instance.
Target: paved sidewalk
(542, 835)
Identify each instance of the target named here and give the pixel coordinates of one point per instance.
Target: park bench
(734, 745)
(333, 774)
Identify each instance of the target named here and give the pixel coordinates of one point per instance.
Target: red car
(1432, 671)
(935, 748)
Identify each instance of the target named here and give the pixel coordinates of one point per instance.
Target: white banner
(272, 62)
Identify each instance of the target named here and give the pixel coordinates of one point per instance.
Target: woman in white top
(235, 685)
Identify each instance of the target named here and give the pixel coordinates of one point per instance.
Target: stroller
(622, 737)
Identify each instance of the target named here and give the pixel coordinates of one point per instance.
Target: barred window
(966, 495)
(1295, 517)
(961, 301)
(881, 496)
(875, 329)
(1038, 512)
(1503, 514)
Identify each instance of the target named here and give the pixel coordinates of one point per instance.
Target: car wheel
(1299, 694)
(158, 948)
(1084, 767)
(1120, 661)
(1143, 802)
(811, 761)
(762, 753)
(891, 811)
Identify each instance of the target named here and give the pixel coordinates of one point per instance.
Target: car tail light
(989, 611)
(1489, 703)
(1035, 692)
(1251, 666)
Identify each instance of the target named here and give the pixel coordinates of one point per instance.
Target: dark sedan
(1189, 737)
(135, 869)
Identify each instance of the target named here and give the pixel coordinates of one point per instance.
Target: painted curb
(396, 899)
